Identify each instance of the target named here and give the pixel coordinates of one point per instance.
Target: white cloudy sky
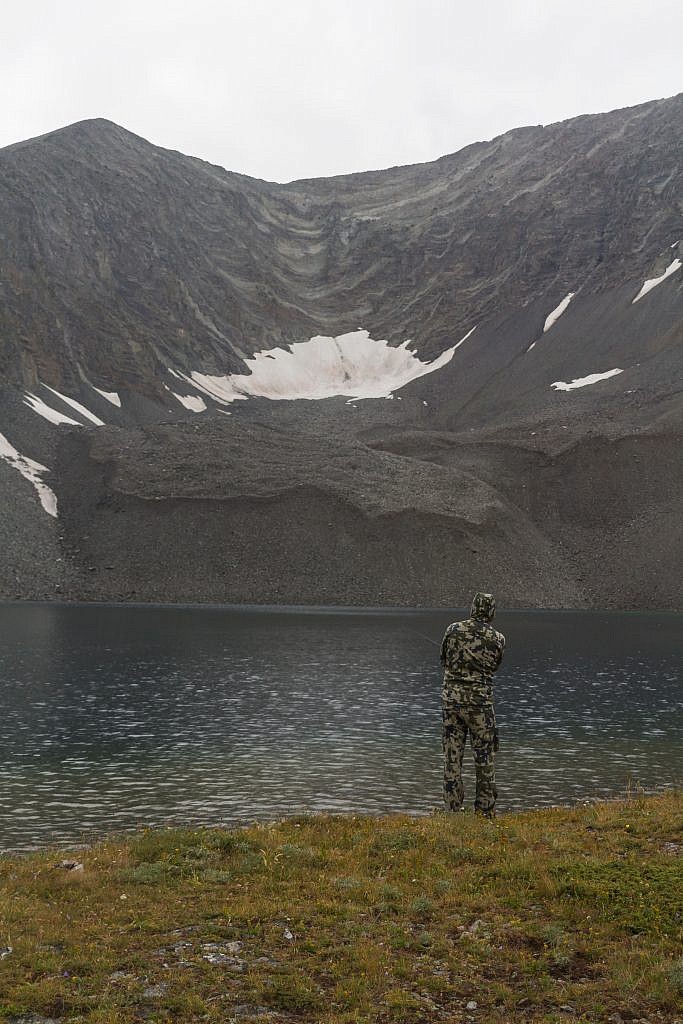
(295, 88)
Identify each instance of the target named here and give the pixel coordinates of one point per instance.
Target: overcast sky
(284, 89)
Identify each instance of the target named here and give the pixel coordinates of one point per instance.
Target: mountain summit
(195, 364)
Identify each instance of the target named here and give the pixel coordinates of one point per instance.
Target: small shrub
(151, 873)
(560, 945)
(228, 843)
(291, 995)
(452, 850)
(551, 934)
(249, 863)
(675, 975)
(394, 842)
(390, 893)
(151, 845)
(215, 875)
(300, 854)
(347, 884)
(422, 906)
(403, 1006)
(399, 938)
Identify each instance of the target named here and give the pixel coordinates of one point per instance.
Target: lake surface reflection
(113, 716)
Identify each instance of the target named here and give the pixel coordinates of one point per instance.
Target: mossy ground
(551, 915)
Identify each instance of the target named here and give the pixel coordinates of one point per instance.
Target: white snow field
(46, 411)
(652, 282)
(111, 396)
(581, 382)
(558, 311)
(32, 471)
(193, 402)
(77, 406)
(471, 331)
(351, 365)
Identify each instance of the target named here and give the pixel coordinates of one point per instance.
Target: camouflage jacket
(471, 651)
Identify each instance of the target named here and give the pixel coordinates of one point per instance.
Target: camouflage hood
(483, 607)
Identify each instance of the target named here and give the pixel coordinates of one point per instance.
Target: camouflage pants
(480, 723)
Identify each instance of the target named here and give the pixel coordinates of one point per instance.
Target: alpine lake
(114, 717)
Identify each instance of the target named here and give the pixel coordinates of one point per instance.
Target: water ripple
(113, 717)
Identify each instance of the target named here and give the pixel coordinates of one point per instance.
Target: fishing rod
(427, 638)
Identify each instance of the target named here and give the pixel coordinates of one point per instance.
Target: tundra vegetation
(561, 914)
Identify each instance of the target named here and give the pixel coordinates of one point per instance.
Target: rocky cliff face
(159, 383)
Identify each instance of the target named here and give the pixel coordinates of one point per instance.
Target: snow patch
(581, 382)
(351, 365)
(46, 411)
(111, 396)
(652, 282)
(473, 329)
(77, 406)
(557, 312)
(193, 402)
(32, 471)
(218, 388)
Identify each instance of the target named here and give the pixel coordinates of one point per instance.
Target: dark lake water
(112, 717)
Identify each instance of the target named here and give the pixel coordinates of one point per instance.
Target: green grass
(551, 915)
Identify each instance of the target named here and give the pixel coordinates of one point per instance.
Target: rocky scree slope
(537, 277)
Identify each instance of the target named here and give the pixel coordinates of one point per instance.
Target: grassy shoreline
(560, 914)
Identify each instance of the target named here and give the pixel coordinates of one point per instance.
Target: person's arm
(443, 648)
(501, 651)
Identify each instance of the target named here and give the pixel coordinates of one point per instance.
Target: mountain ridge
(324, 242)
(530, 290)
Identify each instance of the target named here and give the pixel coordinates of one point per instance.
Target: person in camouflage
(471, 651)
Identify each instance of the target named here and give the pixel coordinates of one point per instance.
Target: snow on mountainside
(652, 282)
(144, 295)
(352, 365)
(32, 471)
